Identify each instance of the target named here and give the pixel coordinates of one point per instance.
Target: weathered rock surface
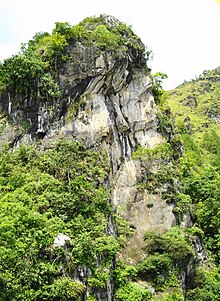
(150, 213)
(120, 115)
(108, 102)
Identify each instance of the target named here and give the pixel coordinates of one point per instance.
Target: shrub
(65, 289)
(176, 248)
(154, 265)
(132, 291)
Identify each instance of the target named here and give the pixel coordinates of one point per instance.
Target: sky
(183, 35)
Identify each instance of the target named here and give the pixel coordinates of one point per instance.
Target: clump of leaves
(170, 244)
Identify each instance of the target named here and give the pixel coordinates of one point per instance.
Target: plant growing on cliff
(26, 76)
(65, 289)
(20, 74)
(157, 90)
(205, 284)
(41, 195)
(52, 49)
(132, 291)
(161, 152)
(127, 287)
(159, 169)
(173, 245)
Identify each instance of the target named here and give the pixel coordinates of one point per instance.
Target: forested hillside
(109, 186)
(195, 107)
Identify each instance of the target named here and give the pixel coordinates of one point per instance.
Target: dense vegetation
(45, 193)
(196, 112)
(195, 107)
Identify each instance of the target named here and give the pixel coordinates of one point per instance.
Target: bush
(176, 248)
(154, 265)
(65, 289)
(132, 291)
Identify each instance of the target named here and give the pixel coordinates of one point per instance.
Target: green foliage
(211, 142)
(175, 296)
(48, 87)
(157, 90)
(193, 105)
(196, 103)
(161, 152)
(166, 256)
(132, 291)
(60, 190)
(62, 28)
(26, 75)
(31, 46)
(183, 204)
(154, 266)
(171, 244)
(126, 285)
(124, 230)
(100, 278)
(205, 192)
(105, 38)
(52, 49)
(205, 285)
(19, 74)
(79, 33)
(116, 38)
(65, 289)
(165, 125)
(124, 273)
(160, 169)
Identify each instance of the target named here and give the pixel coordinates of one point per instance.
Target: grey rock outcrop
(107, 101)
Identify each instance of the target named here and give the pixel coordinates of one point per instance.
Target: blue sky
(183, 34)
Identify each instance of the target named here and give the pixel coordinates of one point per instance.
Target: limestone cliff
(105, 100)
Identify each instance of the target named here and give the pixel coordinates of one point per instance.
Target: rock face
(106, 101)
(60, 240)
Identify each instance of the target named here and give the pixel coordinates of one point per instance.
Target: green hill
(195, 108)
